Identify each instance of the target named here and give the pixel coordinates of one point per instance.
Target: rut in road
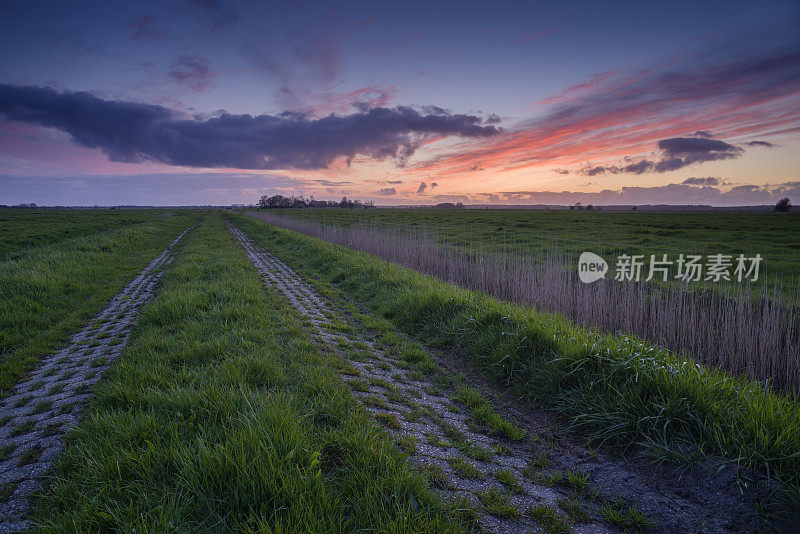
(42, 408)
(462, 460)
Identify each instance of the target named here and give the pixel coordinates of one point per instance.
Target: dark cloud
(422, 187)
(134, 132)
(702, 133)
(710, 180)
(691, 146)
(760, 143)
(192, 71)
(561, 171)
(434, 185)
(394, 182)
(675, 153)
(389, 191)
(332, 183)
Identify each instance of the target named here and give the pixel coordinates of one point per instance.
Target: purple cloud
(135, 132)
(676, 153)
(710, 180)
(760, 143)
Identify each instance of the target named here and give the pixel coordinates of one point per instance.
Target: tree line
(280, 201)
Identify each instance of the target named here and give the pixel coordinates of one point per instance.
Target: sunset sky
(217, 102)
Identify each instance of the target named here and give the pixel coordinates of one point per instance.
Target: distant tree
(460, 205)
(633, 208)
(589, 207)
(783, 205)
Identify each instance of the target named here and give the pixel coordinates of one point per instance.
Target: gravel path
(41, 410)
(462, 459)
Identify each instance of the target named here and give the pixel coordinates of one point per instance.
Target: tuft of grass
(7, 490)
(465, 469)
(30, 456)
(388, 419)
(436, 477)
(623, 516)
(42, 406)
(5, 451)
(497, 503)
(407, 444)
(576, 480)
(509, 480)
(24, 428)
(358, 385)
(549, 519)
(475, 451)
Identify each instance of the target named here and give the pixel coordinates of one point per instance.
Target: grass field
(23, 228)
(49, 289)
(614, 388)
(227, 411)
(223, 416)
(534, 232)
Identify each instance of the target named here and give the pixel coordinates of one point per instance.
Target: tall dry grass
(732, 327)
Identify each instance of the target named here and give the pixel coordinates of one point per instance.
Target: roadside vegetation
(616, 390)
(22, 228)
(222, 415)
(48, 291)
(740, 329)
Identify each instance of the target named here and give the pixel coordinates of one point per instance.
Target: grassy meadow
(55, 284)
(223, 414)
(23, 228)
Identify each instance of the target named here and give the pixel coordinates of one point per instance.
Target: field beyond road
(775, 236)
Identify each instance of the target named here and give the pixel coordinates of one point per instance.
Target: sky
(191, 102)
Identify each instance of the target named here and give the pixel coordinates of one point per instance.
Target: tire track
(462, 460)
(49, 402)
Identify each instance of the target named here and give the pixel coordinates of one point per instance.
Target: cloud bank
(135, 132)
(694, 191)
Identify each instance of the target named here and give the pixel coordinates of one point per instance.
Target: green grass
(615, 389)
(549, 519)
(222, 415)
(497, 503)
(47, 292)
(465, 469)
(625, 517)
(22, 228)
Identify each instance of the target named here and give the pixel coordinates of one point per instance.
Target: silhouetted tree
(783, 205)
